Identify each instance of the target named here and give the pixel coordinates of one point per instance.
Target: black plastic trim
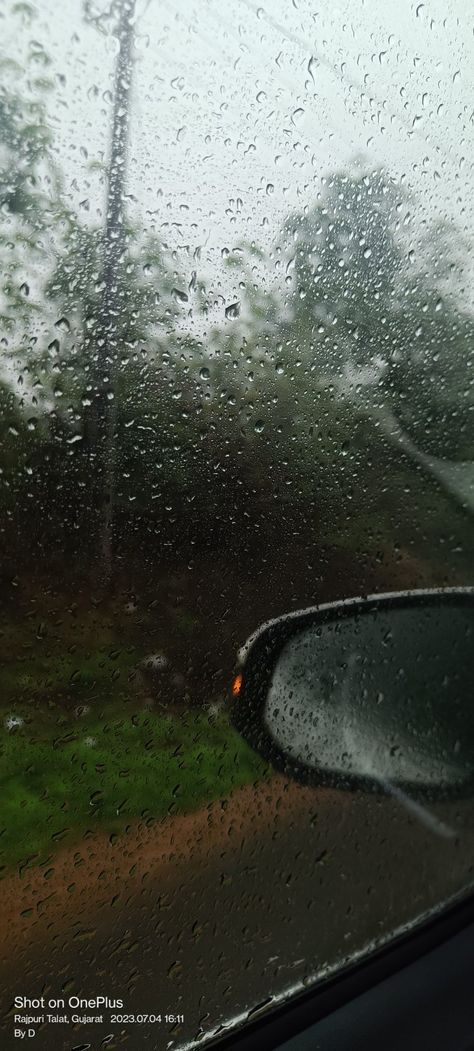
(277, 1025)
(262, 652)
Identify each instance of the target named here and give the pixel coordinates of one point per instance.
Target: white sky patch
(240, 109)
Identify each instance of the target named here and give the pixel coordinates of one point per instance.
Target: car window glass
(236, 381)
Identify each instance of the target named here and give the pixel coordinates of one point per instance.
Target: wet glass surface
(383, 694)
(236, 380)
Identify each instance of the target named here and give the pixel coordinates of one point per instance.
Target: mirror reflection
(384, 695)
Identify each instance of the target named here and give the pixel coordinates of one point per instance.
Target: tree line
(120, 425)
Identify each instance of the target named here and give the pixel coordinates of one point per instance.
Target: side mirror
(374, 693)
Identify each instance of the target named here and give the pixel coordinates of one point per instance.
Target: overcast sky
(240, 109)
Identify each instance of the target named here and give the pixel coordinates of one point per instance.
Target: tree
(28, 196)
(29, 202)
(429, 381)
(356, 331)
(105, 336)
(383, 332)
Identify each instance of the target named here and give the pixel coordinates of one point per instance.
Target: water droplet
(312, 64)
(63, 324)
(181, 296)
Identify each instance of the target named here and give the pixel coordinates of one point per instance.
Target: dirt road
(207, 915)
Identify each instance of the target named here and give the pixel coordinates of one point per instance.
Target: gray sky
(240, 109)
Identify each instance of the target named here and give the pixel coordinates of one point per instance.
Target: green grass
(87, 755)
(109, 772)
(55, 667)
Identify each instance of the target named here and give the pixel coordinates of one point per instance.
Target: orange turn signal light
(237, 683)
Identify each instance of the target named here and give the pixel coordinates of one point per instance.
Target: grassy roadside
(87, 741)
(55, 787)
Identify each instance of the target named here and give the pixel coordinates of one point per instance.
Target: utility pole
(105, 340)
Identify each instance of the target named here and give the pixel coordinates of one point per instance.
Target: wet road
(207, 915)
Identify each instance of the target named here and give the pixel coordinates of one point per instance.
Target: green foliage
(56, 787)
(143, 304)
(379, 332)
(346, 263)
(273, 401)
(430, 376)
(26, 205)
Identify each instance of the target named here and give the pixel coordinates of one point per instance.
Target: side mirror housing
(370, 693)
